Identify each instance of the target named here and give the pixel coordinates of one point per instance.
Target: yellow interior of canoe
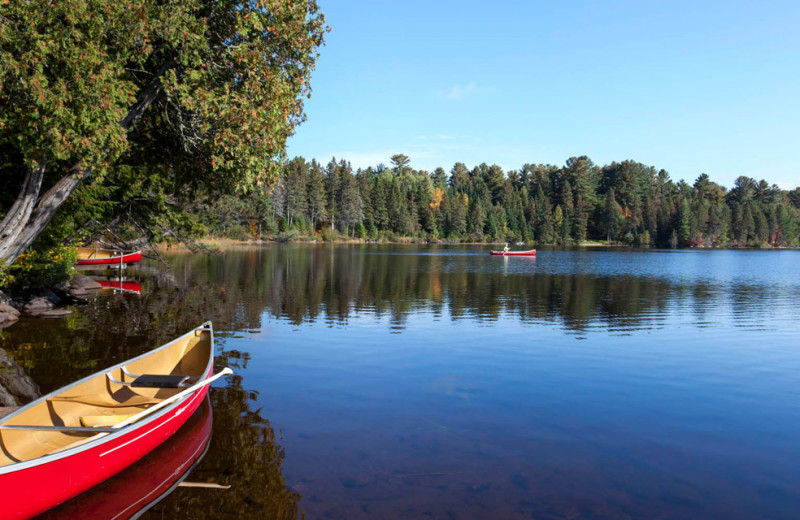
(101, 402)
(90, 253)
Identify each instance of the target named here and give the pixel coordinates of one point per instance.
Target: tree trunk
(27, 219)
(14, 221)
(43, 213)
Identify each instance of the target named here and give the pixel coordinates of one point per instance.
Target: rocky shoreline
(16, 387)
(47, 303)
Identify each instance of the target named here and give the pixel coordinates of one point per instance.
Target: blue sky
(691, 87)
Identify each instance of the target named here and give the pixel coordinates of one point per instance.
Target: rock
(8, 315)
(78, 293)
(8, 309)
(80, 281)
(55, 313)
(67, 295)
(43, 300)
(38, 305)
(16, 387)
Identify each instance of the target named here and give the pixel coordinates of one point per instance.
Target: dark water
(406, 382)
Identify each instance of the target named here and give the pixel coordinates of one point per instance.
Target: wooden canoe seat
(92, 400)
(95, 421)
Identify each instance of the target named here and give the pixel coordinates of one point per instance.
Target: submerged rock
(47, 302)
(8, 315)
(16, 387)
(54, 313)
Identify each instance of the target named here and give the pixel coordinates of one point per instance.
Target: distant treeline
(626, 202)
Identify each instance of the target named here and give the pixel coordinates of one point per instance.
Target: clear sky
(689, 86)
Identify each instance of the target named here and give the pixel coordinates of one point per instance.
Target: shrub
(238, 232)
(329, 234)
(38, 269)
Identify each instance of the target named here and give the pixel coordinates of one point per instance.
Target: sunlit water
(440, 382)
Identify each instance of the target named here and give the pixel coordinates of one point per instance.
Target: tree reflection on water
(334, 284)
(244, 454)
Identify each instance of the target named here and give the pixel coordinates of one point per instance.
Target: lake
(376, 381)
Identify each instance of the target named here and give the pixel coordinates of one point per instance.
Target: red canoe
(70, 440)
(96, 256)
(532, 252)
(144, 484)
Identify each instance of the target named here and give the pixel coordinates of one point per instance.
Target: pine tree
(296, 188)
(477, 221)
(315, 193)
(611, 215)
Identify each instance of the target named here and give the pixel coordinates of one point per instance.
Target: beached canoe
(130, 493)
(532, 252)
(98, 256)
(70, 440)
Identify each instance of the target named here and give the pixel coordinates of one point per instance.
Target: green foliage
(329, 235)
(36, 269)
(360, 230)
(224, 83)
(6, 278)
(624, 203)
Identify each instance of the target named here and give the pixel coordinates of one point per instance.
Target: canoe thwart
(92, 400)
(161, 381)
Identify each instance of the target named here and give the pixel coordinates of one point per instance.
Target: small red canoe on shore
(70, 440)
(532, 252)
(97, 256)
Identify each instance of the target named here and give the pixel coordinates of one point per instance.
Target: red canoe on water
(144, 484)
(532, 252)
(96, 256)
(70, 440)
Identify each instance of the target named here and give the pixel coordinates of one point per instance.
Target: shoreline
(224, 244)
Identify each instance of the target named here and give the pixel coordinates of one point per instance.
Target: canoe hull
(45, 486)
(30, 487)
(146, 482)
(532, 252)
(128, 258)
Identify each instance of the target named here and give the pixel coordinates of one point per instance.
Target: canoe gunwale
(113, 434)
(124, 257)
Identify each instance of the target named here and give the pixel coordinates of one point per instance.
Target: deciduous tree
(86, 85)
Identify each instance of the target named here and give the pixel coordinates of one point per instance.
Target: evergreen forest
(623, 203)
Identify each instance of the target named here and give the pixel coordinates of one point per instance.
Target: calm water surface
(440, 382)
